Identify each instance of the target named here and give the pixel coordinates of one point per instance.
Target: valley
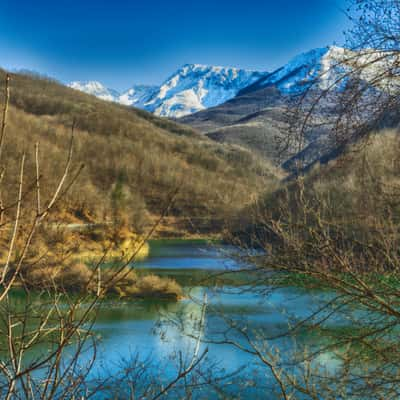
(212, 232)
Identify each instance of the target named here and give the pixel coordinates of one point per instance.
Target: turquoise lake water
(158, 334)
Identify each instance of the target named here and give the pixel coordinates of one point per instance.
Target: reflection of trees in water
(182, 328)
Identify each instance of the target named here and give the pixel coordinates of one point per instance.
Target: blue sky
(123, 42)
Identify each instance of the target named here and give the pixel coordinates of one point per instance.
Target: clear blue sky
(121, 42)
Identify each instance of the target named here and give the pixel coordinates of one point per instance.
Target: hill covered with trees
(133, 162)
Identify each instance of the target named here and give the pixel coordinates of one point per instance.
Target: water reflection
(162, 332)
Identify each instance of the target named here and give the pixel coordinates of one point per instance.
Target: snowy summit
(96, 89)
(195, 87)
(320, 67)
(192, 88)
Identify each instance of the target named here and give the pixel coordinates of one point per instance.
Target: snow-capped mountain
(96, 89)
(137, 95)
(192, 88)
(196, 87)
(331, 68)
(257, 116)
(319, 67)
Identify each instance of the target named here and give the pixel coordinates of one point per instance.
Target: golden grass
(69, 277)
(80, 278)
(129, 284)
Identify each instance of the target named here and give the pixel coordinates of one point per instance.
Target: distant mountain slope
(256, 117)
(252, 120)
(192, 88)
(320, 67)
(137, 95)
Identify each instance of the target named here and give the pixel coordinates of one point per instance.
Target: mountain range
(196, 87)
(247, 108)
(191, 88)
(256, 117)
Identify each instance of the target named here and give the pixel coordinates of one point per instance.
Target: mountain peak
(137, 95)
(92, 85)
(194, 66)
(319, 65)
(194, 87)
(95, 88)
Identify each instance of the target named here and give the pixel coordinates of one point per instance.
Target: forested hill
(133, 161)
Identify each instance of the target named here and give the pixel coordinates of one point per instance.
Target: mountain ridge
(192, 88)
(256, 117)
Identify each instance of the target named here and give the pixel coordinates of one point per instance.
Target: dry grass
(69, 277)
(129, 284)
(80, 278)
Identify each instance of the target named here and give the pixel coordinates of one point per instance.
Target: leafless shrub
(335, 226)
(60, 296)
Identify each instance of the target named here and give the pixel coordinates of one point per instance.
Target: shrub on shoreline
(75, 277)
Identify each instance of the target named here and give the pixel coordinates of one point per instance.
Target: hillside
(257, 117)
(253, 120)
(133, 161)
(354, 194)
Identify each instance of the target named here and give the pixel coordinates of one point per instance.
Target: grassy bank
(91, 259)
(80, 278)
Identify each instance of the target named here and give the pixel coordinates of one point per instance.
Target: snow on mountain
(96, 89)
(320, 67)
(195, 87)
(332, 68)
(137, 95)
(192, 88)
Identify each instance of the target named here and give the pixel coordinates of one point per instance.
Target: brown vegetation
(77, 277)
(127, 167)
(133, 161)
(336, 228)
(129, 284)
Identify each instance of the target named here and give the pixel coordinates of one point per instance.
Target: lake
(159, 334)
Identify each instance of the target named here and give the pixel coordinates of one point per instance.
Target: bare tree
(48, 305)
(336, 227)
